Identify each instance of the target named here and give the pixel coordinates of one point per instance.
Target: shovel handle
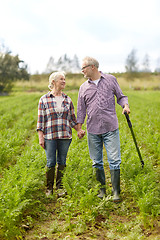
(130, 126)
(128, 119)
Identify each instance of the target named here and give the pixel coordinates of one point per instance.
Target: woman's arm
(41, 138)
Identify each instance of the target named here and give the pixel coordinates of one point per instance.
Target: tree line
(131, 64)
(12, 68)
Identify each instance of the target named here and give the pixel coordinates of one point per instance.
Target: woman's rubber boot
(115, 179)
(100, 176)
(59, 176)
(50, 173)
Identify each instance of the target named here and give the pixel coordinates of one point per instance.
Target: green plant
(22, 182)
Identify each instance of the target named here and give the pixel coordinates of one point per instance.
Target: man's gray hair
(54, 76)
(91, 61)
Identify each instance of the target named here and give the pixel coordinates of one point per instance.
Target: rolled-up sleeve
(121, 98)
(40, 121)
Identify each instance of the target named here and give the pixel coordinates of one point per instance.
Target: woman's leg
(50, 149)
(62, 150)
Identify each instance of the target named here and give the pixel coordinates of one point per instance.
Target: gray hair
(91, 61)
(53, 77)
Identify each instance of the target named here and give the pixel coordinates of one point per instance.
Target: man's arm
(81, 114)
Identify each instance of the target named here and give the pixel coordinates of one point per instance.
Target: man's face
(86, 70)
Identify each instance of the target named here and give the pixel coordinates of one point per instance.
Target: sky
(107, 30)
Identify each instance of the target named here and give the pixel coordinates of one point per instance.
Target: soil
(42, 229)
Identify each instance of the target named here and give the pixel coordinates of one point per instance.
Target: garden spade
(130, 126)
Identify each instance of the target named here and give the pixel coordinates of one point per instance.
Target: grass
(73, 82)
(16, 125)
(24, 209)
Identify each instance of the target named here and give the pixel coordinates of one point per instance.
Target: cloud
(107, 30)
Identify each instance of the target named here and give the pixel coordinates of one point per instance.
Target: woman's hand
(41, 139)
(41, 142)
(81, 133)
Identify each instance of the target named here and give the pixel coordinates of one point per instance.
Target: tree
(158, 66)
(75, 64)
(131, 62)
(131, 66)
(11, 69)
(146, 64)
(64, 63)
(51, 66)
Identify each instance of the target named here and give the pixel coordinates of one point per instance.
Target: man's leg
(95, 144)
(112, 145)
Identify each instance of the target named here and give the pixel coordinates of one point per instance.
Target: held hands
(81, 133)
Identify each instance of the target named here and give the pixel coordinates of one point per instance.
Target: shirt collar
(102, 75)
(50, 94)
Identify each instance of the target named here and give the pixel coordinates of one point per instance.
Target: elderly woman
(56, 118)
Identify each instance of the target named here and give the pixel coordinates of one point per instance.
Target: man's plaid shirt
(55, 125)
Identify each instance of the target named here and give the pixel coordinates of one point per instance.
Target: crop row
(17, 121)
(20, 189)
(143, 183)
(22, 184)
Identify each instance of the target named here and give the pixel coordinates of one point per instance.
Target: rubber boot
(50, 180)
(60, 170)
(115, 179)
(100, 176)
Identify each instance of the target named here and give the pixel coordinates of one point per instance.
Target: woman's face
(60, 83)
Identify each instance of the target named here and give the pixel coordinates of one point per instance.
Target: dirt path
(122, 223)
(114, 227)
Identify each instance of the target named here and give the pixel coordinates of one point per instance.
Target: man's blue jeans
(112, 144)
(56, 151)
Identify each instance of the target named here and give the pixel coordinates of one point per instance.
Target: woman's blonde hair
(54, 76)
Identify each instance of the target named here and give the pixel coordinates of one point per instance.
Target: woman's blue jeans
(112, 144)
(56, 151)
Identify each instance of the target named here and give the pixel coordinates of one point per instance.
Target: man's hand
(81, 133)
(126, 109)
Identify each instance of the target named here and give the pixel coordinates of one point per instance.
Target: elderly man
(97, 99)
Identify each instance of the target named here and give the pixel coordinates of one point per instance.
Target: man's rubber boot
(100, 176)
(50, 173)
(59, 185)
(115, 179)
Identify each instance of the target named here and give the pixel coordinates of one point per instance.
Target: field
(26, 213)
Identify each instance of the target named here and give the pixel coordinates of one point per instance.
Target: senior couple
(56, 118)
